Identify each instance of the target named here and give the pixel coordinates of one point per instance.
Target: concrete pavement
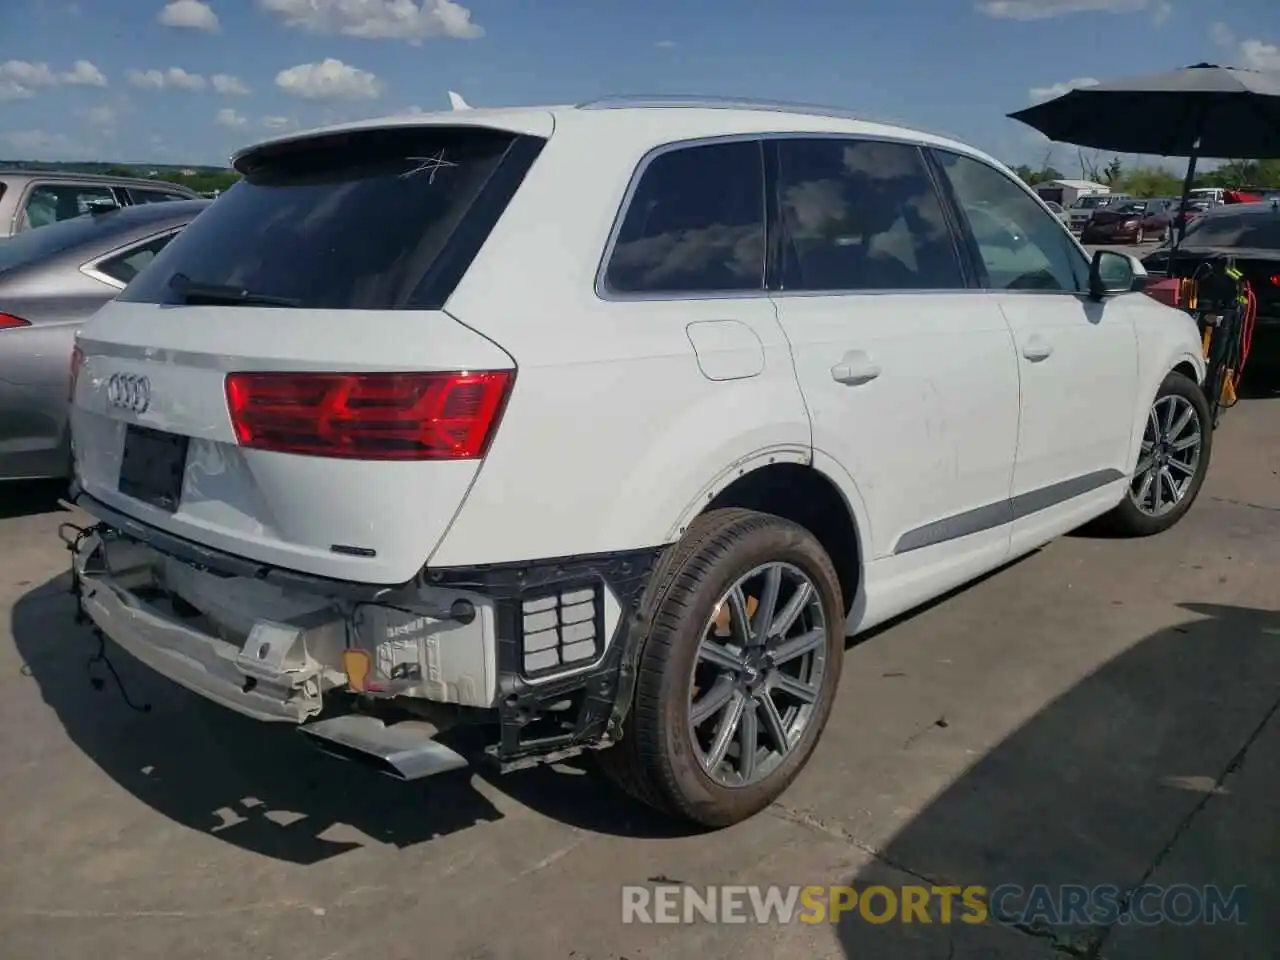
(1101, 712)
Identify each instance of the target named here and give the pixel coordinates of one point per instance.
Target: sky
(191, 81)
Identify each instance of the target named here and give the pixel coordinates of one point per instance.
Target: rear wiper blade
(193, 291)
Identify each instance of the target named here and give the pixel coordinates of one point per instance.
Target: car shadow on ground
(261, 786)
(213, 770)
(25, 498)
(1101, 787)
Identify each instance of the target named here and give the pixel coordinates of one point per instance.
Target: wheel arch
(805, 494)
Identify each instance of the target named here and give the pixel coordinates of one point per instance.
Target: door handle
(1036, 348)
(854, 368)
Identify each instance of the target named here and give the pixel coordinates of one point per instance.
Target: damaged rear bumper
(539, 655)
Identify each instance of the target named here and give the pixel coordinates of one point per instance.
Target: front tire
(1173, 459)
(738, 672)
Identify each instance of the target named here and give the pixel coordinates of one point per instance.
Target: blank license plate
(152, 466)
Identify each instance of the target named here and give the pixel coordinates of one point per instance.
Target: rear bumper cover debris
(546, 650)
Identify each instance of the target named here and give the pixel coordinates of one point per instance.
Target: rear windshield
(348, 222)
(1252, 230)
(32, 246)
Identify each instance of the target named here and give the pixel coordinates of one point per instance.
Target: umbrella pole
(1187, 183)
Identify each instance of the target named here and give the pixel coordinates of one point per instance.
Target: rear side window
(371, 220)
(695, 223)
(126, 265)
(862, 215)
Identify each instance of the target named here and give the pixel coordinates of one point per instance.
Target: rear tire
(706, 645)
(1173, 459)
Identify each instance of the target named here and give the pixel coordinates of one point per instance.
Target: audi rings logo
(129, 391)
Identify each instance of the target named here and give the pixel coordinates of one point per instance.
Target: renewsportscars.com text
(1181, 904)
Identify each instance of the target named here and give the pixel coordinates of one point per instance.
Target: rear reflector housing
(369, 416)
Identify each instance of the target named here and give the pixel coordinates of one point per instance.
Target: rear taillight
(369, 416)
(77, 361)
(9, 322)
(1275, 279)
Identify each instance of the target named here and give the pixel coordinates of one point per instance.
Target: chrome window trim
(602, 290)
(91, 268)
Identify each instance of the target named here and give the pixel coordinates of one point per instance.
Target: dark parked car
(38, 198)
(51, 281)
(1134, 221)
(1250, 232)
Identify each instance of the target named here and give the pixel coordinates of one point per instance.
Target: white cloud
(12, 90)
(1253, 53)
(20, 79)
(38, 144)
(409, 20)
(101, 116)
(665, 44)
(329, 80)
(84, 74)
(226, 117)
(277, 123)
(190, 15)
(1049, 9)
(1259, 55)
(174, 78)
(228, 85)
(1058, 89)
(29, 75)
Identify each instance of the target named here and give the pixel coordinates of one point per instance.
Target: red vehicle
(1134, 221)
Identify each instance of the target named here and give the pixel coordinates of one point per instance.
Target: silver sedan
(52, 280)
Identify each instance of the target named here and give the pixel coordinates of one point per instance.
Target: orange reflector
(357, 665)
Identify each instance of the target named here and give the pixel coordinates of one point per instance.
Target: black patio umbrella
(1199, 111)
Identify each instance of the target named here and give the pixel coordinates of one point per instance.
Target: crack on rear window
(429, 165)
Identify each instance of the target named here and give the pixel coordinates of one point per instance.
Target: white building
(1067, 192)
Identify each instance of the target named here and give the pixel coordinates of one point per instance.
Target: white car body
(959, 428)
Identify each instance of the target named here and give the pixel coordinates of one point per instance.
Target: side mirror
(1112, 273)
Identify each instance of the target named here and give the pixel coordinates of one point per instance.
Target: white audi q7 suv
(601, 428)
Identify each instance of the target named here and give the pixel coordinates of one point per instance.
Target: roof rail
(624, 101)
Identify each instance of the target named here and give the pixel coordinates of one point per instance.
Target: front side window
(695, 223)
(54, 202)
(1021, 245)
(862, 215)
(124, 266)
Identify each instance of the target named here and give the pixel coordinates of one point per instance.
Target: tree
(1150, 182)
(1089, 161)
(1113, 173)
(1232, 174)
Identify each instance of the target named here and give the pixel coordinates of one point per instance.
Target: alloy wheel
(1170, 456)
(757, 674)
